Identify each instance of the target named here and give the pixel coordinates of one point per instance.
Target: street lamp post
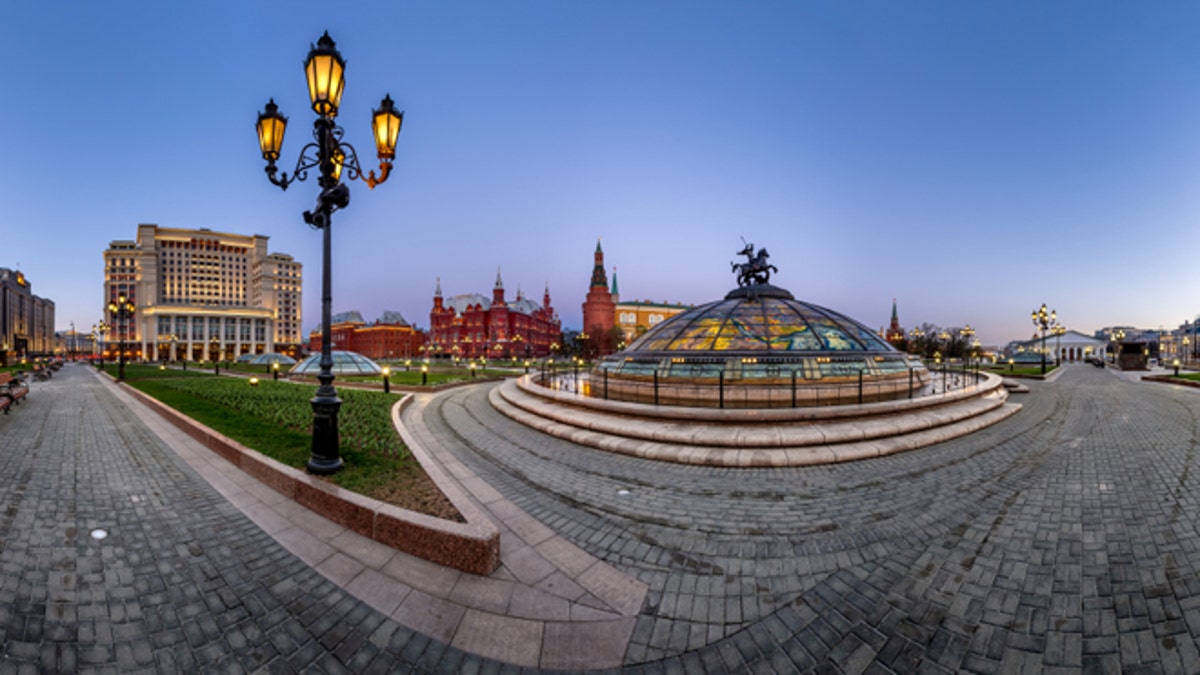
(967, 333)
(324, 69)
(1045, 321)
(121, 309)
(1059, 330)
(102, 329)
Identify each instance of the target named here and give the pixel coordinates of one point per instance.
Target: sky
(972, 160)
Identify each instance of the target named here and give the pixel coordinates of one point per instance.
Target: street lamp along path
(324, 70)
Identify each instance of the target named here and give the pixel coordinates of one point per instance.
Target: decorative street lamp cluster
(121, 309)
(966, 332)
(1045, 321)
(325, 69)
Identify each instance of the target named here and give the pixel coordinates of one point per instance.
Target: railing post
(793, 387)
(721, 387)
(910, 381)
(860, 398)
(606, 384)
(656, 386)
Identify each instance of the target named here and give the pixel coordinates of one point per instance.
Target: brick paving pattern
(1062, 539)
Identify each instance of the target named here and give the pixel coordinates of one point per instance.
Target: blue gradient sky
(972, 159)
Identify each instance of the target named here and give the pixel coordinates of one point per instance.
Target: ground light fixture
(324, 71)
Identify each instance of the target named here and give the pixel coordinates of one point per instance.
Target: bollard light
(254, 382)
(387, 387)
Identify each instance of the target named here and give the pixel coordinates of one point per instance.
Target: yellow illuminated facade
(201, 295)
(637, 317)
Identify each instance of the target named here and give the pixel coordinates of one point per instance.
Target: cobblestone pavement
(1064, 538)
(183, 581)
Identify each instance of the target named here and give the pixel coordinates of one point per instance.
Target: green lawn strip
(143, 371)
(1195, 377)
(274, 419)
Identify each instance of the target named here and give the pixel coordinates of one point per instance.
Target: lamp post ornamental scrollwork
(325, 70)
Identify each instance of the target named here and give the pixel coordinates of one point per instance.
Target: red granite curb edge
(472, 547)
(1171, 379)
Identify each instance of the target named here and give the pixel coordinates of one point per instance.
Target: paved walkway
(1064, 538)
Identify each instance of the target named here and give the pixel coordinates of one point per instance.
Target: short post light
(387, 386)
(275, 370)
(324, 70)
(1176, 364)
(424, 375)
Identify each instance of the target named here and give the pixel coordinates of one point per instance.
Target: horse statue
(756, 269)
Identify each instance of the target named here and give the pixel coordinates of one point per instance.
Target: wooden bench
(12, 391)
(40, 373)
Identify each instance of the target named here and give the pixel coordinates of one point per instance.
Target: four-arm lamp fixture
(121, 309)
(325, 70)
(1044, 321)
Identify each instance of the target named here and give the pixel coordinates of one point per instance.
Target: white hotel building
(200, 295)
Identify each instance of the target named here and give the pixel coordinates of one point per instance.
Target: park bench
(12, 391)
(40, 373)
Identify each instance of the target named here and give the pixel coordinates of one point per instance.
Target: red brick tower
(599, 308)
(894, 332)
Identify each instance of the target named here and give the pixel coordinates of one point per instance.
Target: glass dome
(267, 359)
(759, 347)
(344, 363)
(756, 321)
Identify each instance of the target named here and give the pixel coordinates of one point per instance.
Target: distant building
(389, 337)
(472, 326)
(638, 316)
(894, 333)
(608, 322)
(26, 320)
(599, 308)
(201, 295)
(1070, 346)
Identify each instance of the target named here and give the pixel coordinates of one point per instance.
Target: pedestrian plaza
(1063, 538)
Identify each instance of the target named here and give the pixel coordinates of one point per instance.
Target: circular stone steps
(740, 437)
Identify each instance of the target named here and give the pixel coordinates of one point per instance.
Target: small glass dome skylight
(268, 359)
(344, 363)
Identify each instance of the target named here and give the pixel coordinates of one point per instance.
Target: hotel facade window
(200, 294)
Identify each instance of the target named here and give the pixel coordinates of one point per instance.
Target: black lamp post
(1059, 331)
(1044, 321)
(325, 69)
(121, 310)
(102, 330)
(967, 333)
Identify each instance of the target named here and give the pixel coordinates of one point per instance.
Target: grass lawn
(275, 419)
(1195, 377)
